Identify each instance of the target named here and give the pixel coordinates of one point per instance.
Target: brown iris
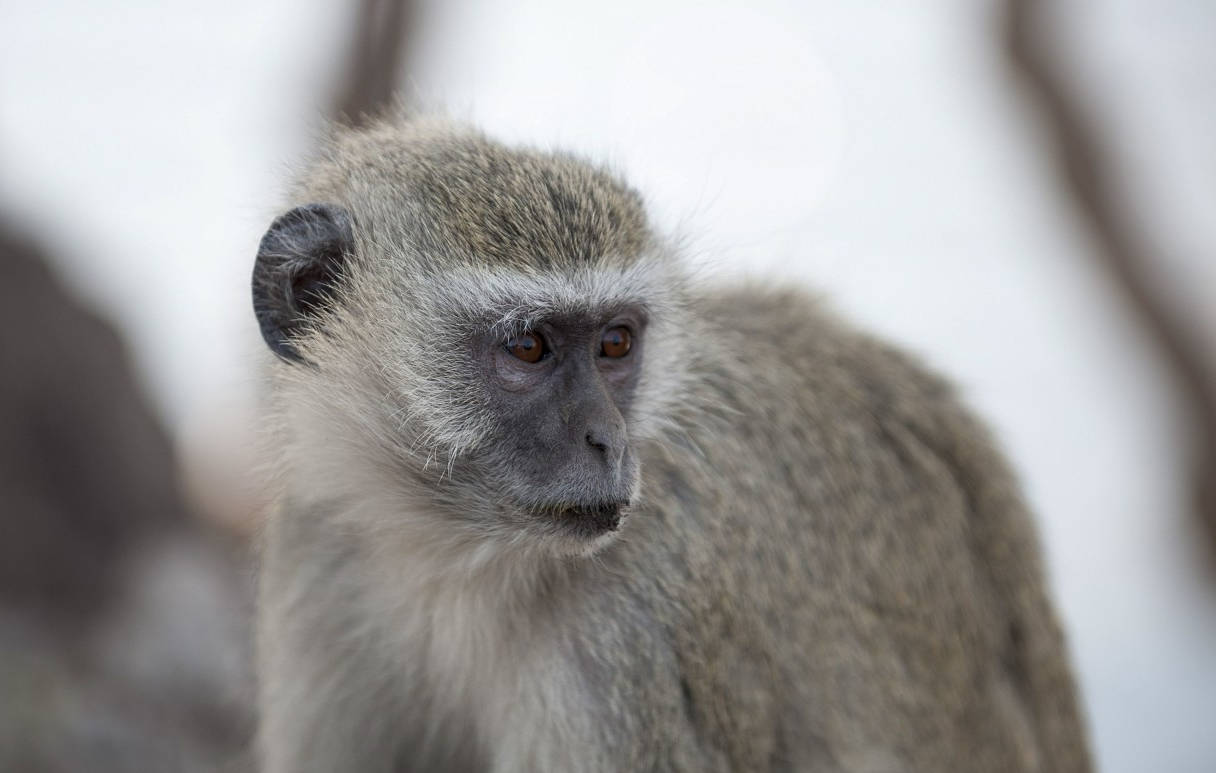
(616, 342)
(528, 347)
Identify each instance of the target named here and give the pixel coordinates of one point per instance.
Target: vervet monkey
(549, 505)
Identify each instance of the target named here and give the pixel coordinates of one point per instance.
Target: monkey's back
(851, 561)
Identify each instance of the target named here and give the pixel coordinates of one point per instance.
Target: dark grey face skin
(560, 450)
(562, 446)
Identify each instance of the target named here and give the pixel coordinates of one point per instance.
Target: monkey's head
(472, 331)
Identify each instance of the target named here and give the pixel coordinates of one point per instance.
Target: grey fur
(825, 565)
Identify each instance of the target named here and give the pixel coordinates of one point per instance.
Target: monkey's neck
(431, 555)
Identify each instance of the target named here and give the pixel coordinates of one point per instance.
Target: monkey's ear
(298, 264)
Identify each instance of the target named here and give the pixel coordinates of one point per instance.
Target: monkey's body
(826, 568)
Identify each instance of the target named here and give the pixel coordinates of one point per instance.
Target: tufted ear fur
(299, 261)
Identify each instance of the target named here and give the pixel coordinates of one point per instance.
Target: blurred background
(1022, 193)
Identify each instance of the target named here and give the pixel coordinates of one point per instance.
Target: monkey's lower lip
(596, 518)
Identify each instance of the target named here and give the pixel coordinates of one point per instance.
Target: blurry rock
(84, 467)
(124, 623)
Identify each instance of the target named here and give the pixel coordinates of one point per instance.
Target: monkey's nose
(609, 442)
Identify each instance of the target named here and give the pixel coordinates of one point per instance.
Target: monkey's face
(538, 378)
(560, 390)
(511, 397)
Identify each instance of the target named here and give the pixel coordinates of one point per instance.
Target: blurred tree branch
(1086, 167)
(378, 47)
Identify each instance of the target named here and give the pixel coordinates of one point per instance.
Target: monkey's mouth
(591, 520)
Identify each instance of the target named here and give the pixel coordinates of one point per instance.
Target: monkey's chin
(591, 548)
(582, 547)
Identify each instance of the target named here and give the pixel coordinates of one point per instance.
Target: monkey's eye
(528, 347)
(616, 342)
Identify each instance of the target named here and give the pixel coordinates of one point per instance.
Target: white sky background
(873, 150)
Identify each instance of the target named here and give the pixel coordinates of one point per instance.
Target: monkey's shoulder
(785, 353)
(805, 414)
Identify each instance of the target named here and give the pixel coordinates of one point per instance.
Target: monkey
(548, 501)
